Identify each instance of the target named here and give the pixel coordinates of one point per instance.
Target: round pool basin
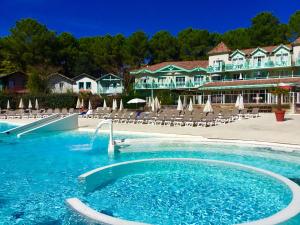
(189, 190)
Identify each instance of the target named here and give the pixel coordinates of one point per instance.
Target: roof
(61, 75)
(109, 74)
(248, 51)
(297, 41)
(187, 65)
(12, 73)
(78, 77)
(274, 81)
(220, 48)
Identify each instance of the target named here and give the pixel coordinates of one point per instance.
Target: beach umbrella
(8, 105)
(82, 104)
(184, 101)
(36, 104)
(241, 76)
(237, 101)
(77, 104)
(157, 104)
(153, 105)
(136, 101)
(179, 105)
(149, 103)
(90, 105)
(121, 105)
(29, 104)
(114, 104)
(21, 105)
(190, 105)
(208, 108)
(104, 104)
(241, 104)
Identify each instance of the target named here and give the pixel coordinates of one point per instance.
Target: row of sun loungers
(42, 113)
(172, 117)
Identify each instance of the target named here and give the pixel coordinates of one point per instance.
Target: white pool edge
(282, 216)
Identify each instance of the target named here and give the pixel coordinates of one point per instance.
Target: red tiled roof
(183, 64)
(252, 82)
(297, 41)
(248, 51)
(220, 48)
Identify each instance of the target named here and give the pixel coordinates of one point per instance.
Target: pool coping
(292, 209)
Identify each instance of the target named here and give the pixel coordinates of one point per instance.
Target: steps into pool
(51, 123)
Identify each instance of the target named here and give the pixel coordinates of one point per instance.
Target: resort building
(59, 83)
(85, 83)
(110, 84)
(227, 73)
(13, 82)
(185, 75)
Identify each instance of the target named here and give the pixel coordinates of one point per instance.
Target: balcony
(248, 66)
(110, 90)
(170, 86)
(297, 62)
(261, 77)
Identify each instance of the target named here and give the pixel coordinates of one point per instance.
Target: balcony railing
(249, 66)
(261, 77)
(297, 62)
(110, 90)
(178, 85)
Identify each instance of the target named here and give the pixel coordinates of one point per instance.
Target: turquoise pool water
(38, 172)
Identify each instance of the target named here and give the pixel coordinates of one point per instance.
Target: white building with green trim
(227, 73)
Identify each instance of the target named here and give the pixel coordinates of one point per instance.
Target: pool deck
(262, 129)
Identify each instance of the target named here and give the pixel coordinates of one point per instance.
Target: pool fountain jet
(111, 143)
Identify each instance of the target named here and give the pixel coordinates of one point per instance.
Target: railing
(110, 90)
(248, 66)
(258, 78)
(297, 62)
(177, 85)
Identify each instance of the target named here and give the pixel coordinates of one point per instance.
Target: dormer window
(258, 60)
(281, 58)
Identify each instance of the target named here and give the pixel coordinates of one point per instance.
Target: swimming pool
(38, 172)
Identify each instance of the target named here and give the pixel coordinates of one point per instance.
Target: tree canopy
(32, 47)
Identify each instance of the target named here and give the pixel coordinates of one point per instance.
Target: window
(61, 86)
(281, 58)
(81, 85)
(258, 60)
(161, 80)
(180, 81)
(197, 79)
(218, 64)
(88, 85)
(11, 84)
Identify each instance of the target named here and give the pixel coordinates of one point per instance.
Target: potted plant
(279, 112)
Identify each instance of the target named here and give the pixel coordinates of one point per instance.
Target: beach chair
(254, 113)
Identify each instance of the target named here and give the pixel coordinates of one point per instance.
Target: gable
(171, 68)
(281, 49)
(259, 52)
(237, 54)
(109, 77)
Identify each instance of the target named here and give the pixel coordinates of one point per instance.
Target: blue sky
(96, 17)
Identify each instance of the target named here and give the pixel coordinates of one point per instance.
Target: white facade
(60, 84)
(85, 84)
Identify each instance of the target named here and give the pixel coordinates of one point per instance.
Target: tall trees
(163, 47)
(136, 49)
(294, 25)
(267, 30)
(193, 44)
(30, 43)
(237, 39)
